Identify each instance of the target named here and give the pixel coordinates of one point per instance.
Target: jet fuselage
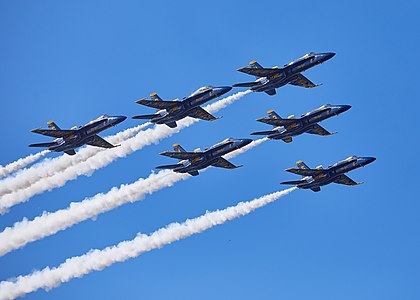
(331, 173)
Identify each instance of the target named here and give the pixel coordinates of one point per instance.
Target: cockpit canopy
(202, 89)
(307, 55)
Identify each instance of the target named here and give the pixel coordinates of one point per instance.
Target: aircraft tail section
(155, 97)
(301, 165)
(274, 119)
(53, 126)
(254, 64)
(178, 148)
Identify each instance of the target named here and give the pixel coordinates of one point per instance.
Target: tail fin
(302, 165)
(53, 126)
(155, 97)
(178, 148)
(273, 115)
(255, 65)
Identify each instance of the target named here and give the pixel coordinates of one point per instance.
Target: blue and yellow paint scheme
(68, 140)
(168, 112)
(286, 129)
(192, 162)
(268, 79)
(313, 179)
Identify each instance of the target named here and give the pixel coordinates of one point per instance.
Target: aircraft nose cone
(344, 108)
(329, 55)
(119, 119)
(224, 89)
(369, 160)
(245, 142)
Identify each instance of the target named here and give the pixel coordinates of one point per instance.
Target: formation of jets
(169, 112)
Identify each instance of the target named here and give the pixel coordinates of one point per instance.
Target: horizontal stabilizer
(43, 144)
(168, 166)
(145, 117)
(193, 173)
(287, 140)
(316, 189)
(246, 84)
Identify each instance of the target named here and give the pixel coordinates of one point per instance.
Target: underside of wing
(305, 172)
(99, 142)
(318, 129)
(53, 133)
(302, 81)
(260, 72)
(223, 163)
(201, 113)
(158, 104)
(182, 155)
(344, 179)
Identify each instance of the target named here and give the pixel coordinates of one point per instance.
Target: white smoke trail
(21, 163)
(102, 159)
(49, 167)
(96, 260)
(47, 224)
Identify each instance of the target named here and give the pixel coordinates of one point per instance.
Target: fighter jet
(168, 112)
(191, 162)
(285, 129)
(268, 79)
(68, 140)
(315, 178)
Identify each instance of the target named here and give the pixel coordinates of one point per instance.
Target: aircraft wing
(344, 179)
(223, 163)
(318, 129)
(99, 142)
(302, 81)
(305, 172)
(260, 72)
(158, 104)
(53, 133)
(182, 155)
(200, 113)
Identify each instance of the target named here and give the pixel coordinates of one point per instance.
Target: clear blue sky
(73, 61)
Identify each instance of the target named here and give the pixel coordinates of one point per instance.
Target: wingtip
(34, 130)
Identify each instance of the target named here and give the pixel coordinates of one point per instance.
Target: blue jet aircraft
(68, 140)
(168, 112)
(268, 79)
(191, 162)
(315, 178)
(285, 129)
